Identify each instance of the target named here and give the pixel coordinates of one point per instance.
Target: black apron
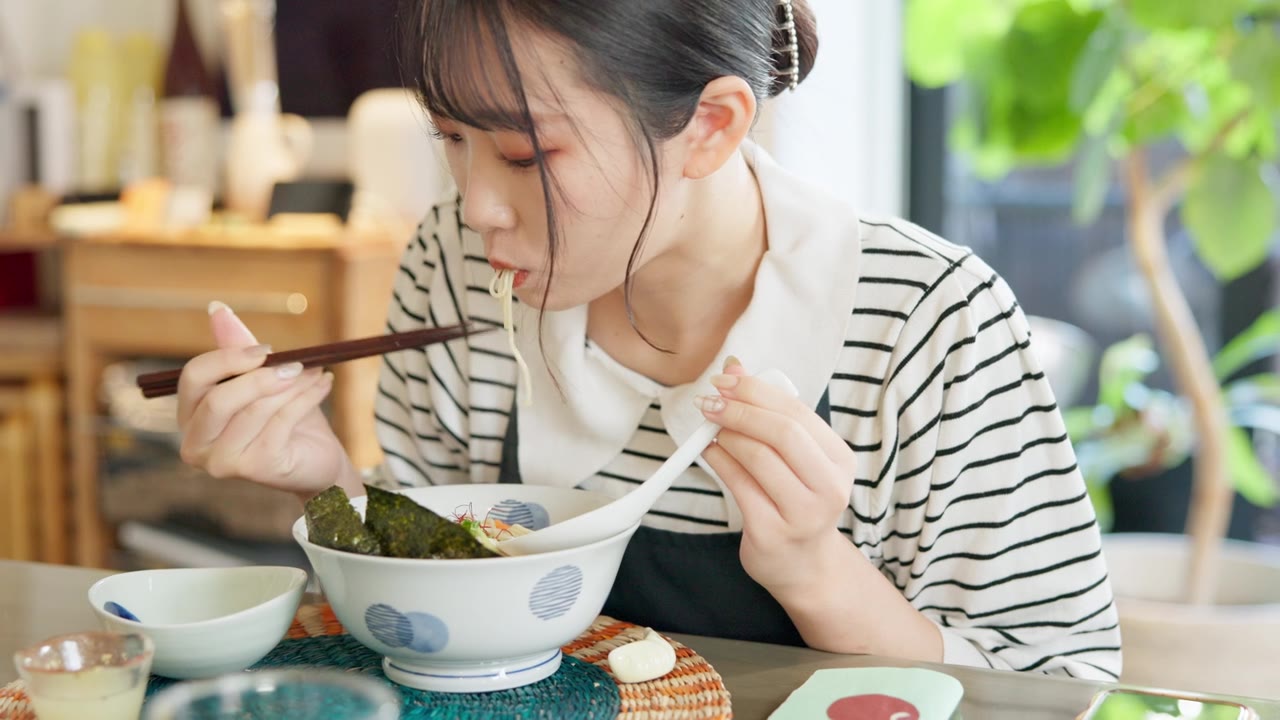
(686, 582)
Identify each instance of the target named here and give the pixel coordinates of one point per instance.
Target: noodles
(502, 287)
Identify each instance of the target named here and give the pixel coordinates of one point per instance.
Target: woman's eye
(523, 163)
(452, 138)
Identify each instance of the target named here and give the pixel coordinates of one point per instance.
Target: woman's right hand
(266, 425)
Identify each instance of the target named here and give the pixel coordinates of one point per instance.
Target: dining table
(39, 600)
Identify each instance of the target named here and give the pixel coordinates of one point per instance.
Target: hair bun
(806, 38)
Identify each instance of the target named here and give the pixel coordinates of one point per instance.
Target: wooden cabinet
(148, 296)
(33, 481)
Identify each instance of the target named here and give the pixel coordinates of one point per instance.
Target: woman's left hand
(790, 473)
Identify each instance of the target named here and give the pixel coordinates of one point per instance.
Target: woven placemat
(582, 688)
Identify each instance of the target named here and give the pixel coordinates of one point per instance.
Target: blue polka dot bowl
(473, 625)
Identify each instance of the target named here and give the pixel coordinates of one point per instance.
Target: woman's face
(601, 185)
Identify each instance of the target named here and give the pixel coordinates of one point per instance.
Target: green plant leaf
(1121, 448)
(1243, 142)
(1266, 139)
(1092, 180)
(982, 131)
(1178, 14)
(1132, 444)
(1081, 422)
(1260, 339)
(1105, 116)
(1099, 60)
(1254, 137)
(1167, 68)
(940, 34)
(1258, 416)
(1155, 119)
(1254, 390)
(1255, 61)
(1124, 364)
(1103, 507)
(1042, 49)
(1247, 474)
(1231, 214)
(934, 56)
(1044, 136)
(1035, 69)
(1225, 100)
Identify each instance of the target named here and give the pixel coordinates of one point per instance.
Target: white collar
(796, 322)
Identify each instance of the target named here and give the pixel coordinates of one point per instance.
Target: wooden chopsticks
(160, 384)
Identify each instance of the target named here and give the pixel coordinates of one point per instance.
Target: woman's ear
(721, 122)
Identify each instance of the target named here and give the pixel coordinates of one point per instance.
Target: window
(1022, 226)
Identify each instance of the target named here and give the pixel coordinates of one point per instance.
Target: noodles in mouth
(502, 287)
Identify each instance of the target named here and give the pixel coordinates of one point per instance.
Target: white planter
(1230, 647)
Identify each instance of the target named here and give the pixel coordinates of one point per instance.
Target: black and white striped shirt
(967, 495)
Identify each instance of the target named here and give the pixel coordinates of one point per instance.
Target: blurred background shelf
(164, 545)
(126, 299)
(11, 241)
(33, 510)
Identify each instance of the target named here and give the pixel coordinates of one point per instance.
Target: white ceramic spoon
(609, 520)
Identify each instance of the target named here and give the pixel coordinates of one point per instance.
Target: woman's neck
(687, 298)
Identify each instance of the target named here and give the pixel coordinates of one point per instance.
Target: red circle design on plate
(872, 707)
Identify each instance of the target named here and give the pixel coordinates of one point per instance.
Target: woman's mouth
(520, 275)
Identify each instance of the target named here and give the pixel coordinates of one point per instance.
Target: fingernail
(290, 371)
(724, 382)
(730, 362)
(217, 305)
(258, 351)
(327, 379)
(709, 403)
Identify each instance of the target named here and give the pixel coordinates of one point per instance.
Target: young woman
(919, 498)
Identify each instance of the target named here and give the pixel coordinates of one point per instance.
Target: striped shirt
(967, 495)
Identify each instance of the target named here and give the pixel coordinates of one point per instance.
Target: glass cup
(100, 675)
(296, 694)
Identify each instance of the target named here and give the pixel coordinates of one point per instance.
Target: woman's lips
(521, 275)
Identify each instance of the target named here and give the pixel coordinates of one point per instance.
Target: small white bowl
(204, 622)
(474, 625)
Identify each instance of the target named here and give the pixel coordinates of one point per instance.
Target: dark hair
(654, 56)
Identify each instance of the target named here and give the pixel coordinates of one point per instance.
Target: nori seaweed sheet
(408, 530)
(333, 523)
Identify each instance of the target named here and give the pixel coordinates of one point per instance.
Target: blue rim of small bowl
(297, 581)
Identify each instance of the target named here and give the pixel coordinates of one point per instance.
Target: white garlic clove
(642, 660)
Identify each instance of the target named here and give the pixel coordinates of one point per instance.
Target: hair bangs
(459, 40)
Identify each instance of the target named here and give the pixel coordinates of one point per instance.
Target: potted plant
(1106, 83)
(1135, 429)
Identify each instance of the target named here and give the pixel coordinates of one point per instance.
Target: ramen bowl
(473, 625)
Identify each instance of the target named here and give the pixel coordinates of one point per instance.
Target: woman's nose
(484, 203)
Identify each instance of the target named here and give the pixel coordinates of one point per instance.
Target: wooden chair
(33, 462)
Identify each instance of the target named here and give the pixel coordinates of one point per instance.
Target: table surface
(38, 601)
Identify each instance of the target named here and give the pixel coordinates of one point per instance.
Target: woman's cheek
(457, 169)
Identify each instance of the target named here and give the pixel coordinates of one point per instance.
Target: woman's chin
(567, 296)
(533, 298)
